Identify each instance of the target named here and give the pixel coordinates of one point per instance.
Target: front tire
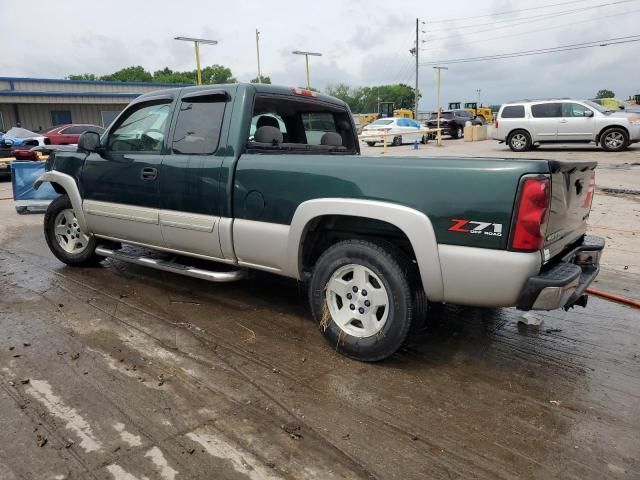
(519, 141)
(614, 140)
(362, 299)
(64, 237)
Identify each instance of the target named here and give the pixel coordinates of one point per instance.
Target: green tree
(605, 93)
(129, 74)
(83, 76)
(215, 74)
(365, 99)
(263, 79)
(166, 75)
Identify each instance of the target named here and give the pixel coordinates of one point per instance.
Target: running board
(172, 267)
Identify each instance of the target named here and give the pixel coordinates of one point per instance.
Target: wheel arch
(413, 224)
(609, 127)
(65, 184)
(518, 129)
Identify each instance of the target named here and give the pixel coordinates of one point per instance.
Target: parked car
(373, 238)
(18, 136)
(527, 124)
(398, 130)
(70, 133)
(615, 104)
(452, 122)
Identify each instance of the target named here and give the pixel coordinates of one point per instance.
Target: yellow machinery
(481, 113)
(403, 112)
(635, 100)
(387, 109)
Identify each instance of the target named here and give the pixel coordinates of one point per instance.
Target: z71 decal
(476, 228)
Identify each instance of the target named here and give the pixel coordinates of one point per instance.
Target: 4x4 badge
(478, 228)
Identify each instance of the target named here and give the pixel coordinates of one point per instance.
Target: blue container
(27, 199)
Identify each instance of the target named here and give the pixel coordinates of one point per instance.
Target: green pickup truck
(271, 178)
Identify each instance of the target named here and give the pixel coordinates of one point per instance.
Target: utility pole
(439, 134)
(479, 90)
(417, 95)
(258, 53)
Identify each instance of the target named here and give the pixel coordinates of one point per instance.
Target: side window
(141, 129)
(573, 110)
(546, 110)
(199, 124)
(403, 122)
(513, 111)
(75, 130)
(316, 124)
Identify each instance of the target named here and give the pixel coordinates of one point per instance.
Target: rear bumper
(562, 284)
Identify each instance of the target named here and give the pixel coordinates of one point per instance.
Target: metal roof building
(39, 103)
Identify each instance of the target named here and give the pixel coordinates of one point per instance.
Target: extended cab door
(577, 123)
(190, 190)
(544, 121)
(120, 183)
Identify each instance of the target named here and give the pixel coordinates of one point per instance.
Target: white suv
(527, 124)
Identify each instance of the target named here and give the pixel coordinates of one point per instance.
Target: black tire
(397, 141)
(457, 132)
(614, 140)
(394, 273)
(84, 258)
(424, 140)
(519, 141)
(371, 144)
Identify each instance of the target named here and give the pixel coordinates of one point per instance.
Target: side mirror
(89, 142)
(588, 113)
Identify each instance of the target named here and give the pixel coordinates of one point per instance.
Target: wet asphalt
(128, 373)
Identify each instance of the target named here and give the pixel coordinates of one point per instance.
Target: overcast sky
(362, 42)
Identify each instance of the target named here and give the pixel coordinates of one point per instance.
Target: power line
(537, 30)
(561, 48)
(541, 7)
(534, 17)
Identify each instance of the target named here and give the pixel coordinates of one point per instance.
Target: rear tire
(457, 132)
(397, 141)
(347, 276)
(371, 144)
(519, 141)
(614, 140)
(64, 237)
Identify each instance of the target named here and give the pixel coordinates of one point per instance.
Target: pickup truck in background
(271, 178)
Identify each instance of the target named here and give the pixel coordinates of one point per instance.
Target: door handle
(148, 173)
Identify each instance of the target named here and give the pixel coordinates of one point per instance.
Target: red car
(69, 134)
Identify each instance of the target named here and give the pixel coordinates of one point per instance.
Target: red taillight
(533, 212)
(304, 92)
(495, 124)
(588, 199)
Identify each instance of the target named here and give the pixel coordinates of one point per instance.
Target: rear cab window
(283, 123)
(513, 111)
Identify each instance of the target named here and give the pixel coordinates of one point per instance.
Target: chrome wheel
(614, 140)
(358, 301)
(460, 132)
(519, 141)
(68, 234)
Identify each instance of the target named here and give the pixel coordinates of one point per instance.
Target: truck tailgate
(572, 189)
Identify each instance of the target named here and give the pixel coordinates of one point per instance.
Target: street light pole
(306, 59)
(197, 42)
(258, 52)
(479, 104)
(439, 135)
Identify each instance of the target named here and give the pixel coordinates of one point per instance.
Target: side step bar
(230, 276)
